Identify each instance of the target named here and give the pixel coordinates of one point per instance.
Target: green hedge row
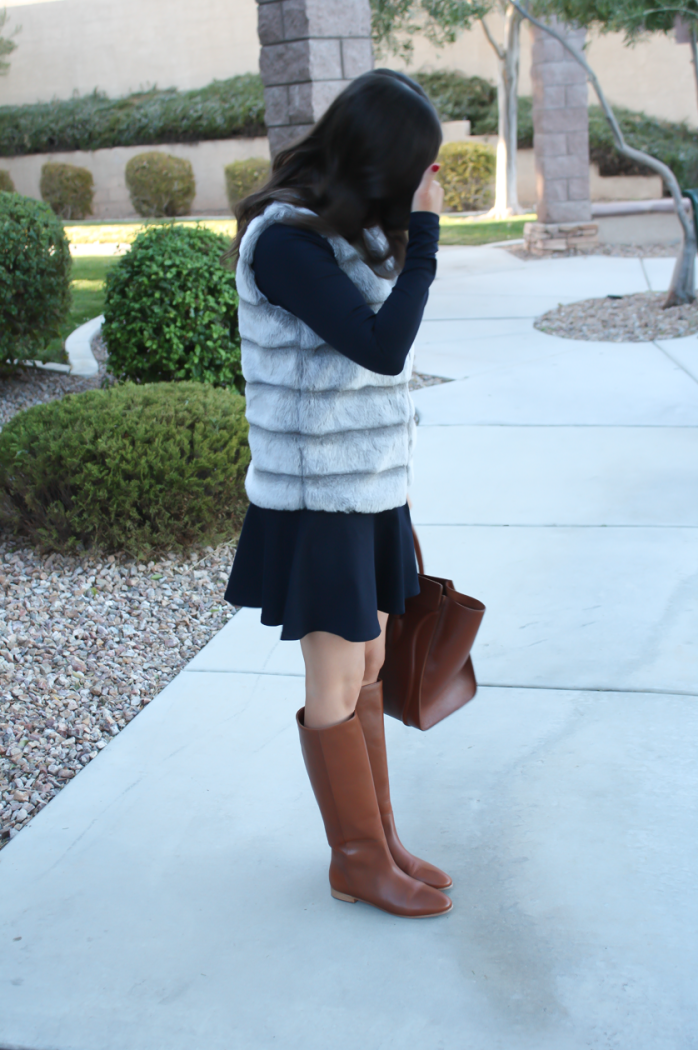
(227, 108)
(222, 110)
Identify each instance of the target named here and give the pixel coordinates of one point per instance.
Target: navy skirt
(315, 571)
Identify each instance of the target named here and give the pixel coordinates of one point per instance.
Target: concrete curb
(79, 351)
(81, 360)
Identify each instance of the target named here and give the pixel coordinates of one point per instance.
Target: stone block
(578, 144)
(296, 23)
(559, 73)
(300, 104)
(546, 48)
(324, 93)
(270, 26)
(548, 144)
(325, 60)
(562, 120)
(276, 102)
(576, 94)
(562, 167)
(568, 211)
(339, 18)
(551, 96)
(287, 63)
(578, 188)
(281, 137)
(308, 101)
(326, 18)
(556, 190)
(357, 56)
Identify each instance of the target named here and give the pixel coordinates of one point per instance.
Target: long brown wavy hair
(358, 167)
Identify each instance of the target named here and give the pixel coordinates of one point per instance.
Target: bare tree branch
(499, 51)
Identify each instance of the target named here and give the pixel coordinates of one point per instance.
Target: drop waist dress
(319, 570)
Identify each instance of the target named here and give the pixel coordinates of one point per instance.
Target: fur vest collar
(325, 433)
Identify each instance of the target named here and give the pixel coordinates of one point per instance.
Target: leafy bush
(224, 109)
(34, 277)
(6, 183)
(171, 309)
(129, 468)
(68, 189)
(160, 185)
(457, 97)
(242, 177)
(675, 144)
(467, 175)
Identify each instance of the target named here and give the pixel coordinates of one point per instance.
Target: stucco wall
(655, 75)
(111, 200)
(79, 45)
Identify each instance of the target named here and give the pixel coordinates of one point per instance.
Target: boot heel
(342, 896)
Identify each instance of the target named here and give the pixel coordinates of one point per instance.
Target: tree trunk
(506, 201)
(683, 282)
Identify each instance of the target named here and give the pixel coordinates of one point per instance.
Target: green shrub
(34, 278)
(68, 189)
(675, 144)
(6, 183)
(160, 185)
(467, 175)
(171, 309)
(222, 110)
(129, 468)
(243, 177)
(457, 97)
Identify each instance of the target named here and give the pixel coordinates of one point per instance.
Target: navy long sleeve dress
(312, 570)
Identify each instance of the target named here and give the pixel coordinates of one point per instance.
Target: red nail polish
(435, 167)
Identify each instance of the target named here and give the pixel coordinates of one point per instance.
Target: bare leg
(375, 653)
(335, 670)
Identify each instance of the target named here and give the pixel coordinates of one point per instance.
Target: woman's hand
(429, 195)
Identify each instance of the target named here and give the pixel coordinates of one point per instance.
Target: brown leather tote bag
(428, 673)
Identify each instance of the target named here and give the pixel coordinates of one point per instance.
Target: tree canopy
(7, 45)
(631, 17)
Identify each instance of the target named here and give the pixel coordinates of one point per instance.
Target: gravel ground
(419, 380)
(622, 251)
(85, 641)
(624, 319)
(34, 386)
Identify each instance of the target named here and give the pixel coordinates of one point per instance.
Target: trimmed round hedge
(68, 189)
(171, 309)
(160, 185)
(34, 278)
(467, 175)
(130, 468)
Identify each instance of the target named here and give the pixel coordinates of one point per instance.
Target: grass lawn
(87, 288)
(479, 230)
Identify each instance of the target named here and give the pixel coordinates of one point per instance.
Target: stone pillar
(311, 49)
(561, 146)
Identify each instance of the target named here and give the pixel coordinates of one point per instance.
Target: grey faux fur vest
(325, 433)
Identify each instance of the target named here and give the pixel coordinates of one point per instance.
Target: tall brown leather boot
(370, 711)
(362, 867)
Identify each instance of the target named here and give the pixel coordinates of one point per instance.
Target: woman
(332, 293)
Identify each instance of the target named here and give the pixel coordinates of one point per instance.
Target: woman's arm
(297, 270)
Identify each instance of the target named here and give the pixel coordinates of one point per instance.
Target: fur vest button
(325, 433)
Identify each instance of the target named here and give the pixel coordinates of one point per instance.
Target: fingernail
(435, 167)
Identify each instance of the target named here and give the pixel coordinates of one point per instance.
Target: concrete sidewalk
(174, 895)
